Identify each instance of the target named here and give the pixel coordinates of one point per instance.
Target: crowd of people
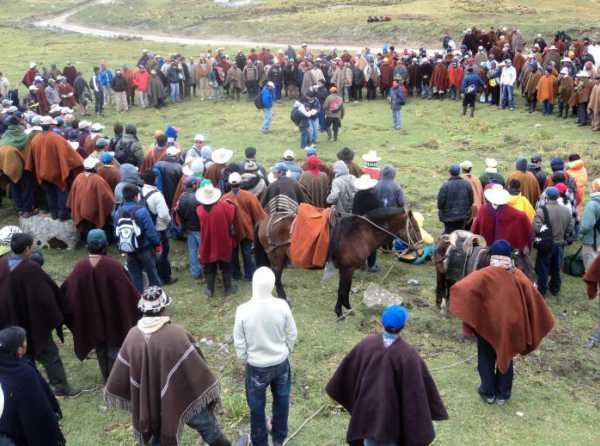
(117, 193)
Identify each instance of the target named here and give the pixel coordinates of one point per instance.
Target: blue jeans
(56, 200)
(304, 137)
(549, 266)
(206, 425)
(140, 262)
(548, 106)
(174, 91)
(267, 117)
(22, 192)
(397, 119)
(494, 384)
(279, 379)
(313, 130)
(278, 91)
(193, 246)
(249, 265)
(507, 94)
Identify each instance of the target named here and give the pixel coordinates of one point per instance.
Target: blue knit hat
(557, 164)
(552, 193)
(171, 132)
(394, 317)
(501, 248)
(454, 169)
(521, 164)
(280, 168)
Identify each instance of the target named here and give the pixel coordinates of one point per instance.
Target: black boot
(210, 284)
(464, 110)
(472, 112)
(231, 287)
(328, 134)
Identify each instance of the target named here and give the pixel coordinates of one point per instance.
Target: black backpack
(124, 153)
(258, 102)
(544, 240)
(298, 118)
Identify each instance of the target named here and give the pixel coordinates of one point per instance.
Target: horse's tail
(260, 255)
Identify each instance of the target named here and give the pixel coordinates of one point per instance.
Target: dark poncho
(29, 298)
(99, 313)
(30, 412)
(389, 392)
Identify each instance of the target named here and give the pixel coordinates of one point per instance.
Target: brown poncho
(389, 393)
(111, 174)
(248, 212)
(11, 163)
(316, 188)
(530, 188)
(592, 277)
(98, 312)
(163, 380)
(30, 299)
(505, 308)
(90, 199)
(52, 159)
(439, 78)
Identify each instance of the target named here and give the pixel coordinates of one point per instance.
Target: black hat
(345, 154)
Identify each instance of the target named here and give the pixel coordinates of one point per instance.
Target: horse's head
(524, 263)
(410, 233)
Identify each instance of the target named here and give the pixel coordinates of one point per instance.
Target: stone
(49, 233)
(377, 296)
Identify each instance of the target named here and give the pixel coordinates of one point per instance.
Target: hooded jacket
(342, 188)
(388, 191)
(591, 215)
(264, 331)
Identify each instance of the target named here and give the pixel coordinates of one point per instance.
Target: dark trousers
(163, 265)
(22, 192)
(140, 262)
(252, 89)
(356, 92)
(335, 124)
(279, 379)
(582, 115)
(493, 383)
(547, 107)
(56, 200)
(50, 360)
(548, 266)
(451, 226)
(98, 101)
(205, 423)
(245, 247)
(372, 259)
(106, 356)
(371, 90)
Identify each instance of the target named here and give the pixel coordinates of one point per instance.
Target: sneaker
(66, 391)
(501, 401)
(487, 399)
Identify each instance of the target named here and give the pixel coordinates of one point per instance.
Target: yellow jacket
(520, 203)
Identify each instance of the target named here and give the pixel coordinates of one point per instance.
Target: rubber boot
(230, 286)
(210, 284)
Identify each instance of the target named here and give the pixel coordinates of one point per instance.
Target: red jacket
(456, 75)
(504, 223)
(217, 241)
(141, 80)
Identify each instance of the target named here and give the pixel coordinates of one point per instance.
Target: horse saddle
(463, 253)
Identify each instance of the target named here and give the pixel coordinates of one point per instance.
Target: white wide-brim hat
(371, 157)
(222, 156)
(364, 182)
(208, 194)
(496, 195)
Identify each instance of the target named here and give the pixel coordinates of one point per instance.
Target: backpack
(544, 241)
(144, 202)
(297, 117)
(573, 264)
(124, 153)
(128, 232)
(258, 102)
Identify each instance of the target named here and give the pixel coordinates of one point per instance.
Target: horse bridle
(411, 243)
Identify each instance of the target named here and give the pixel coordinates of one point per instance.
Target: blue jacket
(294, 168)
(591, 214)
(143, 219)
(471, 79)
(396, 98)
(105, 77)
(267, 97)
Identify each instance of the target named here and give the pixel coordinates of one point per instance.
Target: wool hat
(552, 193)
(454, 170)
(106, 157)
(394, 317)
(310, 150)
(561, 187)
(171, 132)
(346, 154)
(514, 188)
(557, 164)
(521, 164)
(97, 237)
(153, 300)
(190, 181)
(501, 248)
(537, 158)
(208, 194)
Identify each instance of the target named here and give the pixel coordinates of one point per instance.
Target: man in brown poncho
(565, 91)
(109, 169)
(315, 183)
(466, 167)
(91, 199)
(440, 81)
(508, 315)
(162, 378)
(385, 386)
(530, 187)
(99, 313)
(532, 78)
(594, 105)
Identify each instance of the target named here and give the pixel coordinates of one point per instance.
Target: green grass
(556, 389)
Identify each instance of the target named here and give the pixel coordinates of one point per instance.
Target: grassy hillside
(556, 398)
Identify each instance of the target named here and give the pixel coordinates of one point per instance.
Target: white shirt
(508, 76)
(264, 331)
(158, 206)
(4, 86)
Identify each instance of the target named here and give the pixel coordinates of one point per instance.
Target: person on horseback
(284, 194)
(365, 201)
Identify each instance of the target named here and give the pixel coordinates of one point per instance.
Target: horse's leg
(440, 288)
(279, 284)
(344, 285)
(445, 299)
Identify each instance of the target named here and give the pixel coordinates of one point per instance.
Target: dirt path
(61, 22)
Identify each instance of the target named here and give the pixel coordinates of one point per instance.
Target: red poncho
(217, 241)
(456, 76)
(504, 223)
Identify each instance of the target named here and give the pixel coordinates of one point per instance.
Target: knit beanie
(521, 164)
(557, 164)
(501, 248)
(394, 317)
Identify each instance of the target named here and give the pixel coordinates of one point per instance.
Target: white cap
(173, 150)
(466, 165)
(199, 138)
(234, 178)
(97, 127)
(288, 155)
(32, 64)
(270, 84)
(90, 163)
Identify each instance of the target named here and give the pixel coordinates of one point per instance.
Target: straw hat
(222, 156)
(208, 194)
(371, 157)
(364, 182)
(496, 195)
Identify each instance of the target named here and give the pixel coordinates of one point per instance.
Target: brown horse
(354, 238)
(443, 284)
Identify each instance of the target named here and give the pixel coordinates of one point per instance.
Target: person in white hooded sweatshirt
(264, 334)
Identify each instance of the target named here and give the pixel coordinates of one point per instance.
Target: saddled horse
(354, 238)
(477, 258)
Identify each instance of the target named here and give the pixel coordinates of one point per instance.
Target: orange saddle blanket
(310, 237)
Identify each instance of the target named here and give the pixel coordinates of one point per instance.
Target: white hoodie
(264, 331)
